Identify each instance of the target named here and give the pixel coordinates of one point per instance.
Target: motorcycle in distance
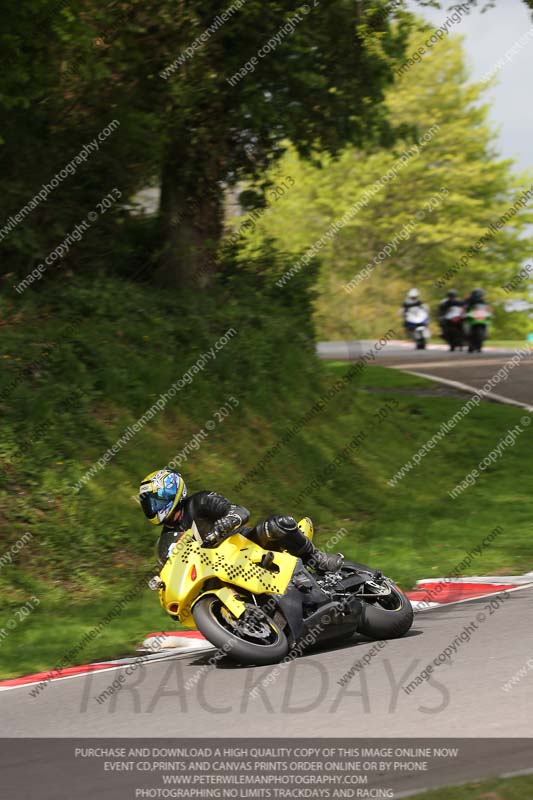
(255, 605)
(417, 325)
(476, 326)
(452, 327)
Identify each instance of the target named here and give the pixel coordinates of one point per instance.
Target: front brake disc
(254, 624)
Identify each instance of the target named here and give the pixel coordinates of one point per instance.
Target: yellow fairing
(235, 563)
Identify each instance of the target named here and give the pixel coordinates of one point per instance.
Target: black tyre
(387, 617)
(479, 333)
(257, 643)
(456, 340)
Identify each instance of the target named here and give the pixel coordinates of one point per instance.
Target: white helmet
(413, 294)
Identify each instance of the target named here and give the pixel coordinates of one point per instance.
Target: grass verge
(87, 549)
(495, 789)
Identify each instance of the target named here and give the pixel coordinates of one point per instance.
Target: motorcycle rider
(164, 499)
(412, 300)
(475, 297)
(451, 299)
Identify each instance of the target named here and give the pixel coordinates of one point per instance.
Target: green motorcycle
(476, 326)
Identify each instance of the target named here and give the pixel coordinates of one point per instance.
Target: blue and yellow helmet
(160, 493)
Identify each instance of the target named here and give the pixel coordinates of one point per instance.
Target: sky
(488, 37)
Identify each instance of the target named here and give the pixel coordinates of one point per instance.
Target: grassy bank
(495, 789)
(106, 366)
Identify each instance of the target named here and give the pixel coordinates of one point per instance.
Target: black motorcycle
(452, 327)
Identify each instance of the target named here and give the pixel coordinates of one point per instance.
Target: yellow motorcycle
(255, 605)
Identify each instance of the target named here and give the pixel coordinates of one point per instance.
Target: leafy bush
(86, 358)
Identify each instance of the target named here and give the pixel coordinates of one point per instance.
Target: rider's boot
(288, 535)
(317, 559)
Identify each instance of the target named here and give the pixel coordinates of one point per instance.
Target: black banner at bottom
(153, 769)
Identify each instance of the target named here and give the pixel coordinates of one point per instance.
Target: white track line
(514, 580)
(464, 387)
(164, 657)
(469, 599)
(468, 362)
(517, 774)
(481, 779)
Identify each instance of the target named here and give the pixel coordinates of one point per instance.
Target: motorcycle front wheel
(478, 337)
(249, 641)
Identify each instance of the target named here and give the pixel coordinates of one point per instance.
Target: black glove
(227, 523)
(212, 539)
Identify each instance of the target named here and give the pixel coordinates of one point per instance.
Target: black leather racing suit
(210, 511)
(213, 512)
(407, 304)
(473, 300)
(447, 303)
(444, 307)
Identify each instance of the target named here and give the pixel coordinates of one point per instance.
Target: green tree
(197, 113)
(429, 225)
(313, 74)
(227, 106)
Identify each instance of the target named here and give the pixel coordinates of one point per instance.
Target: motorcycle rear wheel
(220, 628)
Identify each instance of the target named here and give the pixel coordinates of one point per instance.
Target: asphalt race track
(463, 698)
(472, 370)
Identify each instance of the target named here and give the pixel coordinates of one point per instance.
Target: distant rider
(452, 299)
(475, 298)
(164, 500)
(412, 300)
